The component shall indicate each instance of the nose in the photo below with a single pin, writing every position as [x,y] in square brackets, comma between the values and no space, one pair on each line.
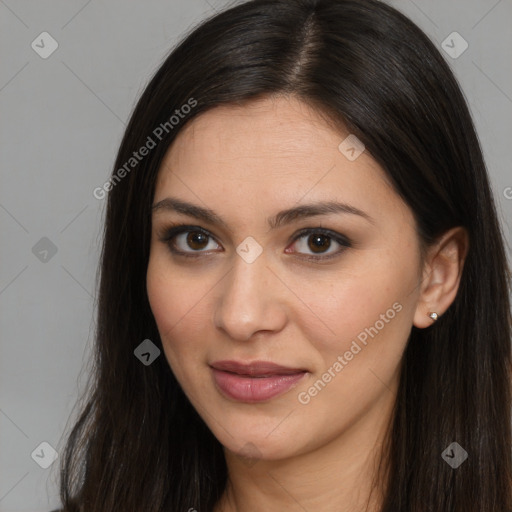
[250,299]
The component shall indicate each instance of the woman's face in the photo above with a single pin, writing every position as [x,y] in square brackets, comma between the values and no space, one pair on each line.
[266,271]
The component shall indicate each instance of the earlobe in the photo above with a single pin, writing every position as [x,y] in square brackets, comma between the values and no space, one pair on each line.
[441,276]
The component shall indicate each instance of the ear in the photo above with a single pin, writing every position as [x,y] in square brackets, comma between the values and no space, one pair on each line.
[441,275]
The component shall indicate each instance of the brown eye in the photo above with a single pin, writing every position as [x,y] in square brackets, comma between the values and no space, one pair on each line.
[197,240]
[189,240]
[311,243]
[318,243]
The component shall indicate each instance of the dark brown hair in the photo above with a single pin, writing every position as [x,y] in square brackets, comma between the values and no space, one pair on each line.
[138,444]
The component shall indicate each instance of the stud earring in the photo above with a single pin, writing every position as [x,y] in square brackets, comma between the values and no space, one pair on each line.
[434,316]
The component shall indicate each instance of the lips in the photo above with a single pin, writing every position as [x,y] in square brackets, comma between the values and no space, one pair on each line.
[256,381]
[256,368]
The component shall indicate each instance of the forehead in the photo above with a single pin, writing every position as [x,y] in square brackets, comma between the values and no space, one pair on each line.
[273,150]
[281,130]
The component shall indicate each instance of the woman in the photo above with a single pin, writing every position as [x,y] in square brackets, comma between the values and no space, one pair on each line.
[303,300]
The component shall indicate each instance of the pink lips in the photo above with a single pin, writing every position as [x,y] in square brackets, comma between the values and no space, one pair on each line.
[254,382]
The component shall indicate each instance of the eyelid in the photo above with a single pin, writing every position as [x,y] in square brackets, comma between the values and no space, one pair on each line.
[338,237]
[174,229]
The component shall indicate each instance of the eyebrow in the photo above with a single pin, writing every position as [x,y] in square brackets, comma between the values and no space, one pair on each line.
[282,218]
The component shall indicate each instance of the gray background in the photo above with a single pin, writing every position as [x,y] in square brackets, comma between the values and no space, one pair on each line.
[61,121]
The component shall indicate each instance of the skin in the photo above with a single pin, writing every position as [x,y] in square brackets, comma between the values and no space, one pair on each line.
[246,163]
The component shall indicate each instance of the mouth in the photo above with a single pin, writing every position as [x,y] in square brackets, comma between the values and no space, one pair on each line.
[258,381]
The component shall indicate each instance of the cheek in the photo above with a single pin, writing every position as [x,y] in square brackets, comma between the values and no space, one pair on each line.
[163,298]
[347,304]
[363,314]
[370,313]
[179,308]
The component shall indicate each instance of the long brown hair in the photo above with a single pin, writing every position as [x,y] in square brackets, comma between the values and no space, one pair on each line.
[138,444]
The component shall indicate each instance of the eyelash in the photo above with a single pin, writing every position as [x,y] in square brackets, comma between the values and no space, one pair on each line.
[177,229]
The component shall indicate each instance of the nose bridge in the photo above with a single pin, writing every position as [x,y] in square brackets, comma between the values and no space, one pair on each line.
[249,301]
